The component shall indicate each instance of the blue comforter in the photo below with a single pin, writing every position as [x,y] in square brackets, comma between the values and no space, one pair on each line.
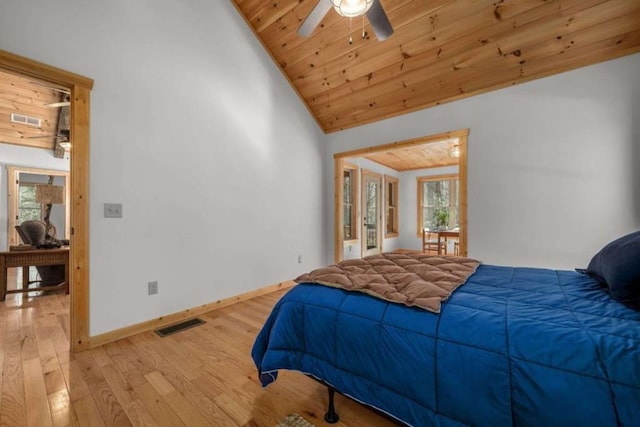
[513,346]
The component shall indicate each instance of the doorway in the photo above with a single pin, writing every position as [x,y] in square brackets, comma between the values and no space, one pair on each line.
[79,88]
[371,213]
[414,152]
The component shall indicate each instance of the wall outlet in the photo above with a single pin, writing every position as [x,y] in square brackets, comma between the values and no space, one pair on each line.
[299,259]
[153,287]
[113,210]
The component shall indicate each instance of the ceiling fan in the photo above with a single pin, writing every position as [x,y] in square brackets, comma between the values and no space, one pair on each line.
[62,135]
[64,103]
[66,94]
[349,9]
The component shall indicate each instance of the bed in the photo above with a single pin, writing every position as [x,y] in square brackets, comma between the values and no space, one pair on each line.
[512,346]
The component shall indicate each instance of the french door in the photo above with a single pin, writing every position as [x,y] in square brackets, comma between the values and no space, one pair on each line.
[371,199]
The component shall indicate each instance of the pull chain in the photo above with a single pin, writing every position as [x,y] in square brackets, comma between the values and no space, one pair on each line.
[364,35]
[350,32]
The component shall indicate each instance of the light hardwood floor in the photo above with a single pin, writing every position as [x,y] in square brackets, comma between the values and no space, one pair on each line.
[202,376]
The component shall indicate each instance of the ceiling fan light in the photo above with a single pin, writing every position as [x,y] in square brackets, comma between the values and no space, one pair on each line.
[352,8]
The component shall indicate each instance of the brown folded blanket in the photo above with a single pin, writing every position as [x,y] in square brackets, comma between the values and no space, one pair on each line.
[411,279]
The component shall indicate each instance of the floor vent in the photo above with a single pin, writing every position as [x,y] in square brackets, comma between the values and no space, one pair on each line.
[179,327]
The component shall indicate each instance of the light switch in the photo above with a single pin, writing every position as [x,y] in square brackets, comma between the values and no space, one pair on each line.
[113,210]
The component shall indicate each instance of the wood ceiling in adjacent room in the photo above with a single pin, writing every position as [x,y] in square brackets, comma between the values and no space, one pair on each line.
[430,155]
[28,97]
[441,50]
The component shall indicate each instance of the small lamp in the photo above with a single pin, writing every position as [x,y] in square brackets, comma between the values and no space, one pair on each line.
[455,151]
[49,194]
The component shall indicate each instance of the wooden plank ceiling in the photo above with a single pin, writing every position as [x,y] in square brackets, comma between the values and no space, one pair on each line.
[441,50]
[28,97]
[429,155]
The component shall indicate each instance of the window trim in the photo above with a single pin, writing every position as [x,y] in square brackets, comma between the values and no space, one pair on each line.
[13,176]
[355,205]
[419,181]
[394,181]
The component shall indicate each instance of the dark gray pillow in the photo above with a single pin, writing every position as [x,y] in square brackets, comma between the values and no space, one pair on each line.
[618,266]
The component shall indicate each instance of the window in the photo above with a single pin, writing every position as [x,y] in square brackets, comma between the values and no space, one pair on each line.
[391,206]
[438,202]
[28,208]
[349,203]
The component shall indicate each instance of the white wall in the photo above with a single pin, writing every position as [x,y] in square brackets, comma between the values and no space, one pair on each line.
[409,239]
[15,155]
[552,163]
[193,128]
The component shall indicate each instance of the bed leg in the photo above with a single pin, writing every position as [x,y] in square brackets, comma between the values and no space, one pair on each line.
[331,416]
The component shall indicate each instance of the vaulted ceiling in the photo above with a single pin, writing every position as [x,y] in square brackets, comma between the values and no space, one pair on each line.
[441,50]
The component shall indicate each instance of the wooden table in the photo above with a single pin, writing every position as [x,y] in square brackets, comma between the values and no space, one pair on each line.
[446,234]
[35,257]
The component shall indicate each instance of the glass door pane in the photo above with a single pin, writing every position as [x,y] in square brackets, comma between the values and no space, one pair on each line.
[371,205]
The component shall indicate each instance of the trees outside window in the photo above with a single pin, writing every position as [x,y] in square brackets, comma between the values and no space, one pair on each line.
[438,202]
[28,208]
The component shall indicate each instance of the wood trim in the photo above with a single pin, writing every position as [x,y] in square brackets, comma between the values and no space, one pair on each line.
[355,208]
[80,218]
[12,199]
[80,88]
[118,334]
[462,196]
[403,144]
[396,205]
[28,67]
[338,231]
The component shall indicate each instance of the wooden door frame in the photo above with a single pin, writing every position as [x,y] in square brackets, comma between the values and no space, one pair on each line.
[339,160]
[363,244]
[80,88]
[13,174]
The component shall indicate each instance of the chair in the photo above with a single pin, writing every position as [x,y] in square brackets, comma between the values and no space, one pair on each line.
[35,232]
[430,243]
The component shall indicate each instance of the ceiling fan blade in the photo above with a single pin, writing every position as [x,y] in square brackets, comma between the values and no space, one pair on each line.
[379,21]
[62,134]
[42,136]
[58,104]
[51,86]
[314,18]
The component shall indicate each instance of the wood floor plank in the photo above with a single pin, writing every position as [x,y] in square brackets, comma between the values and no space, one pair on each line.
[62,410]
[108,405]
[87,412]
[3,339]
[156,406]
[176,401]
[199,376]
[12,411]
[48,355]
[54,381]
[35,392]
